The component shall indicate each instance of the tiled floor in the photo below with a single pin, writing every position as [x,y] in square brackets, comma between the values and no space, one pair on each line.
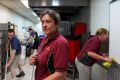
[29,72]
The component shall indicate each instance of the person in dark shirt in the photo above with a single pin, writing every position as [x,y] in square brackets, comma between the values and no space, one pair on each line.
[13,61]
[34,34]
[90,53]
[53,52]
[33,40]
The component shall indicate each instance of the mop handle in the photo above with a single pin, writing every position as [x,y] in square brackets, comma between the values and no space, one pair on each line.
[5,66]
[34,53]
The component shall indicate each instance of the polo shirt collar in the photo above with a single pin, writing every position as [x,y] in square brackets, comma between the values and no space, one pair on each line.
[53,37]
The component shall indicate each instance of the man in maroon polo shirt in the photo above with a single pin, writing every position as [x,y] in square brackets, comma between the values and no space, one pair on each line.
[90,54]
[53,52]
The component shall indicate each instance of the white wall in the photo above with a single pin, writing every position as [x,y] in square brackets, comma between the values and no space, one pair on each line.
[7,14]
[99,17]
[114,40]
[38,28]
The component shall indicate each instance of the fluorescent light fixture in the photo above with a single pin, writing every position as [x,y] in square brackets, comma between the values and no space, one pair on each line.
[43,3]
[25,2]
[34,14]
[55,3]
[11,27]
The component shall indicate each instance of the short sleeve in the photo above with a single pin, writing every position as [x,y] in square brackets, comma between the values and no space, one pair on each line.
[93,46]
[14,44]
[61,57]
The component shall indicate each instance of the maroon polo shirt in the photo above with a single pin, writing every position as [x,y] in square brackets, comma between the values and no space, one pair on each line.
[57,45]
[91,45]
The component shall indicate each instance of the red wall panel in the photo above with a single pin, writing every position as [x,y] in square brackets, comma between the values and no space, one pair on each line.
[74,49]
[79,29]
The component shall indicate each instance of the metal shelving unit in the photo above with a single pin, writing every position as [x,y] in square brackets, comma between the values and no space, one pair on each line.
[72,71]
[3,41]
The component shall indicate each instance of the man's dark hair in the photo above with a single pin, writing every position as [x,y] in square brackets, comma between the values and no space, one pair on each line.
[30,29]
[11,30]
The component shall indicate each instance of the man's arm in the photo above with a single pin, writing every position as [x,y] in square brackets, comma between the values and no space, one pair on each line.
[7,45]
[31,39]
[12,55]
[57,76]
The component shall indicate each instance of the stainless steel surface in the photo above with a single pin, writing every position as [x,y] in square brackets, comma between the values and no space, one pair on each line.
[114,72]
[3,41]
[59,2]
[66,8]
[3,26]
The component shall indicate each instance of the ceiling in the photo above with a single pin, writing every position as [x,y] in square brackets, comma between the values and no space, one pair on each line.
[18,7]
[66,8]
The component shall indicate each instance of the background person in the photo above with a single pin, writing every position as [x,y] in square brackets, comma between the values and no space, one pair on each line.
[33,41]
[13,61]
[90,53]
[53,52]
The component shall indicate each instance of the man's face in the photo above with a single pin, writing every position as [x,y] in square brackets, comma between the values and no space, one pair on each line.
[48,25]
[10,35]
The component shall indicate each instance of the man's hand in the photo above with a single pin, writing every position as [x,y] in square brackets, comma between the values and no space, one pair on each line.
[7,65]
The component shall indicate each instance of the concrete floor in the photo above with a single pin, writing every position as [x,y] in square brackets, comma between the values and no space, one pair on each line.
[28,69]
